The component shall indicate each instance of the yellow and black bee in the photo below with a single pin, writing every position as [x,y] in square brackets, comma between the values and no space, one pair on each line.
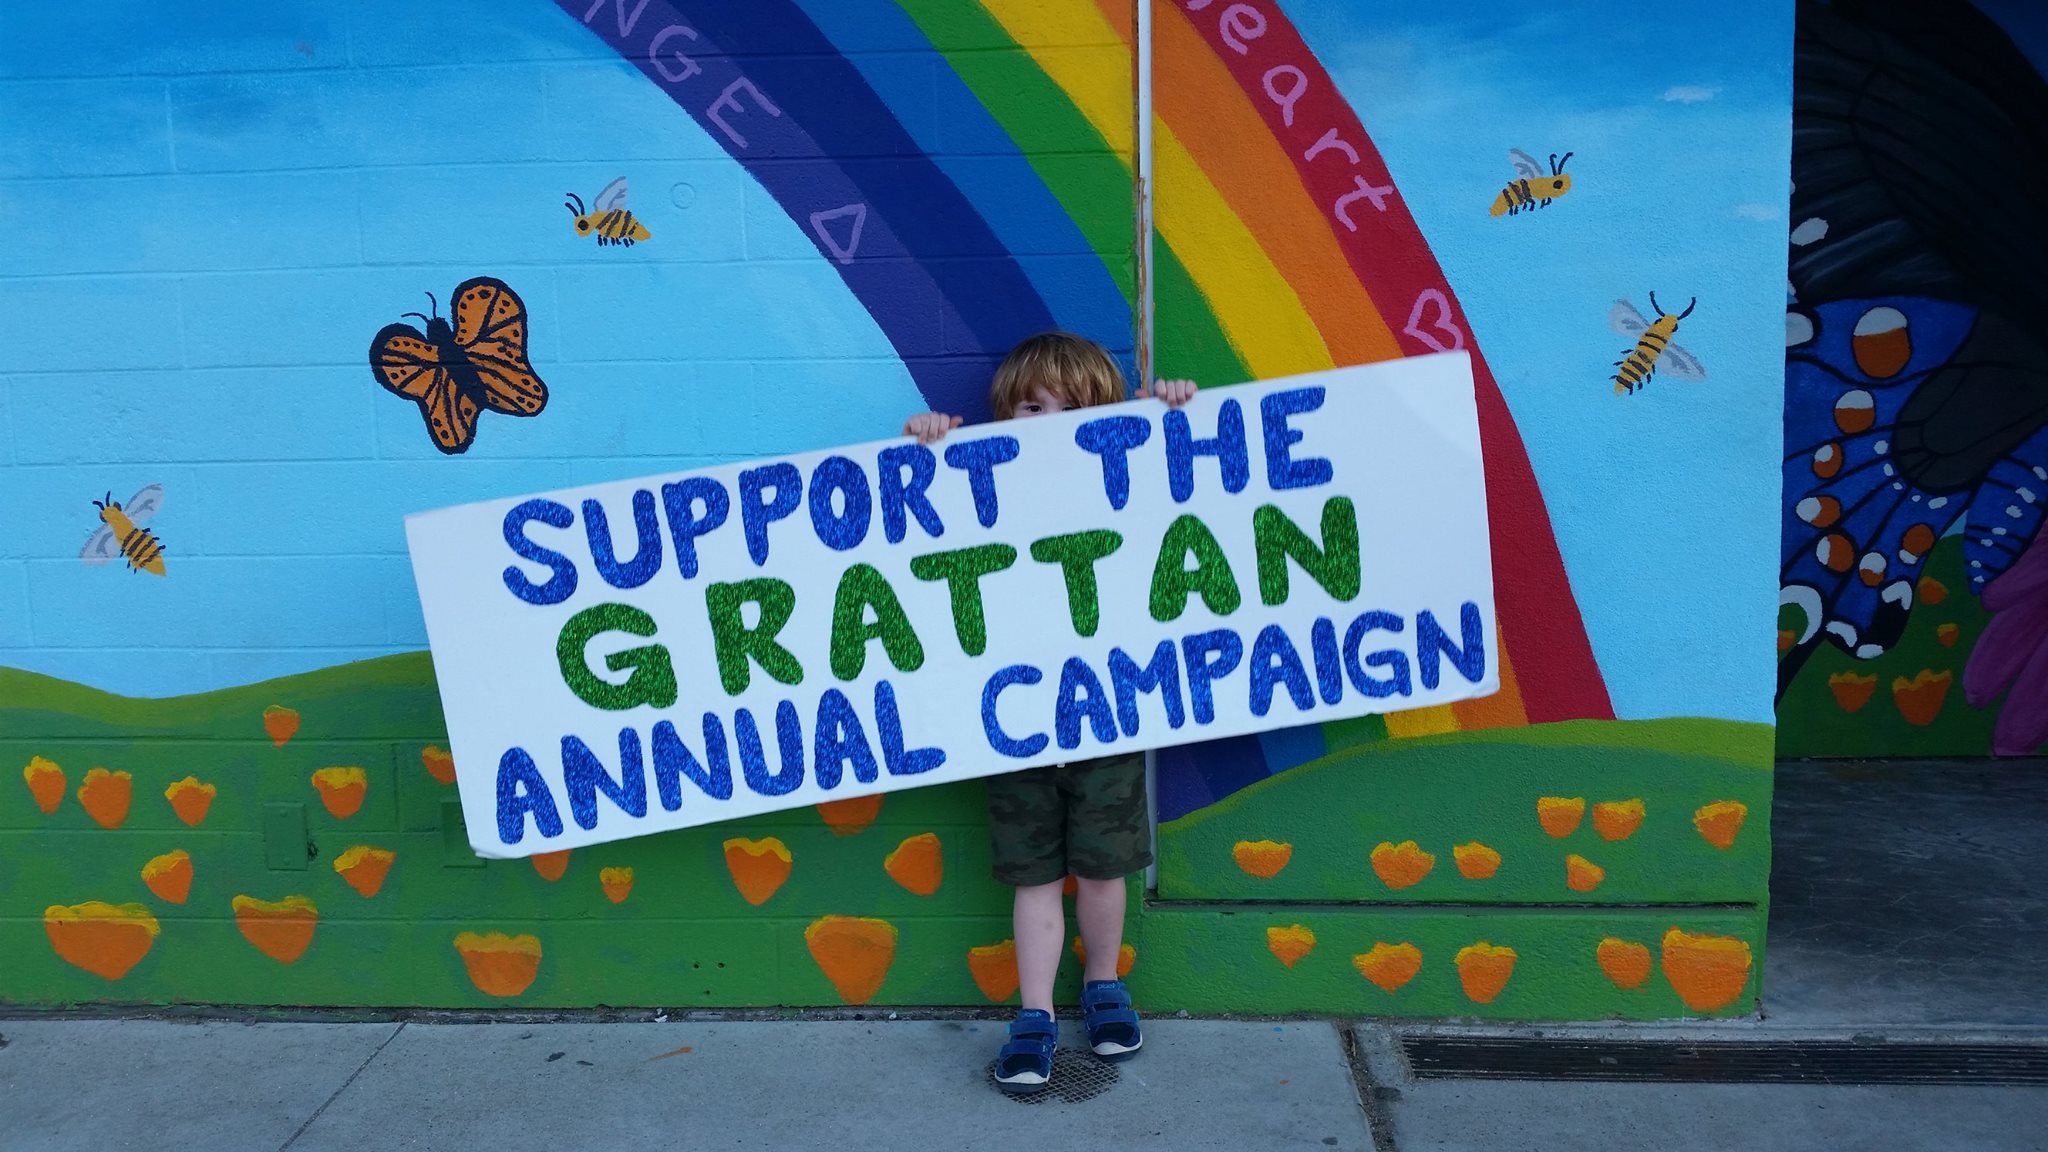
[1531,187]
[1654,348]
[121,533]
[608,216]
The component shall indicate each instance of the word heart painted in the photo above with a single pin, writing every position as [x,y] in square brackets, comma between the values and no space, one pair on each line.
[644,655]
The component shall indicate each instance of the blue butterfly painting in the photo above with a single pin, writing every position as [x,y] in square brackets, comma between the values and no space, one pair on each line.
[1916,392]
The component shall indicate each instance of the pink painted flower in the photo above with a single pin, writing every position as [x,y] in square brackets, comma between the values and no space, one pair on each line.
[2013,653]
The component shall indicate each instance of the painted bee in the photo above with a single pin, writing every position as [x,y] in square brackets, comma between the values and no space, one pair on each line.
[121,533]
[1653,346]
[608,216]
[1531,188]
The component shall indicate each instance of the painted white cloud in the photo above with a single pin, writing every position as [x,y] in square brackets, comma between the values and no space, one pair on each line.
[1689,94]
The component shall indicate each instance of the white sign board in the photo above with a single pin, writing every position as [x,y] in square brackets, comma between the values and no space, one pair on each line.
[631,657]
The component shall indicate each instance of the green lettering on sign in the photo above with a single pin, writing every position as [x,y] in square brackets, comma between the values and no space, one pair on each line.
[651,675]
[736,643]
[860,589]
[1173,581]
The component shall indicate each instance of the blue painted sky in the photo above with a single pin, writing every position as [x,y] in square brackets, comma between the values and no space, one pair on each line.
[1665,502]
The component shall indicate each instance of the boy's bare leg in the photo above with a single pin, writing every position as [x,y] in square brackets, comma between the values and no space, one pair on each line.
[1099,906]
[1040,923]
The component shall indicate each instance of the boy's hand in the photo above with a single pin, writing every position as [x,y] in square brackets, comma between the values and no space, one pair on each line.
[930,427]
[1174,392]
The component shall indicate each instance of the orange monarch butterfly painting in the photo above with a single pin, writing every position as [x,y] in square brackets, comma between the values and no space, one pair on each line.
[453,371]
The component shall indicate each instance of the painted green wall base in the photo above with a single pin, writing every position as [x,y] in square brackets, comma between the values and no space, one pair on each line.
[96,905]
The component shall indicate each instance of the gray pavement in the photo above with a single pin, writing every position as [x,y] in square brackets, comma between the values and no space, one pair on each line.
[842,1085]
[847,1085]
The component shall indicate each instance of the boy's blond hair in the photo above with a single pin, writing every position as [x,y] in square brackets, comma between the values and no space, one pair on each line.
[1073,368]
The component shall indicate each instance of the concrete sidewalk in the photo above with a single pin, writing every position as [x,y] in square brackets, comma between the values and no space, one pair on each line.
[93,1086]
[851,1085]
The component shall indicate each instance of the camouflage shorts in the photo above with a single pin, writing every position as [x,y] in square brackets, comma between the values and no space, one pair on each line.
[1088,818]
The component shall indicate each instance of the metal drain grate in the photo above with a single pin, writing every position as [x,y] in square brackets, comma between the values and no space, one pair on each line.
[1725,1062]
[1076,1076]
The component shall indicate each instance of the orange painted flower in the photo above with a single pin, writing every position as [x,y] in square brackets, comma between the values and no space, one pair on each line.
[1932,591]
[758,867]
[105,796]
[851,817]
[341,790]
[1391,966]
[1946,634]
[1071,886]
[281,722]
[854,952]
[1291,943]
[1401,865]
[1617,819]
[1707,972]
[994,968]
[1720,821]
[1581,874]
[104,939]
[282,929]
[1475,860]
[45,783]
[1852,690]
[1126,957]
[169,876]
[499,965]
[1484,970]
[1626,962]
[1919,700]
[1786,639]
[616,882]
[551,865]
[438,763]
[364,868]
[1261,858]
[917,864]
[191,800]
[1560,815]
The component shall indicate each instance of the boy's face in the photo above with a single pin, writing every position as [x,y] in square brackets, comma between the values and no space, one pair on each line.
[1039,403]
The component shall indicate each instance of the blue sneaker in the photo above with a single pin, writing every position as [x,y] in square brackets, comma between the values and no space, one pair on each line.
[1112,1022]
[1025,1062]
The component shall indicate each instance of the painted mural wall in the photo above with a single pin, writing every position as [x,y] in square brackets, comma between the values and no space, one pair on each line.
[340,262]
[1915,617]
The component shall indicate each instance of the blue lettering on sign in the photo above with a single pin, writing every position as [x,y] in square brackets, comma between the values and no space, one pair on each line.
[1162,673]
[756,514]
[646,554]
[900,496]
[1431,643]
[562,584]
[1276,662]
[1227,446]
[1282,470]
[1111,438]
[840,524]
[522,791]
[584,776]
[998,739]
[673,761]
[1209,656]
[685,523]
[978,458]
[1081,697]
[840,738]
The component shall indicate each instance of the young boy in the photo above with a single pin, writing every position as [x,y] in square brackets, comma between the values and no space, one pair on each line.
[1088,818]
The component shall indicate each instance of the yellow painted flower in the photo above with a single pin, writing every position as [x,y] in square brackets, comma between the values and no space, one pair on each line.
[45,783]
[1626,962]
[499,965]
[1720,821]
[1484,969]
[1391,966]
[364,868]
[1291,943]
[758,867]
[341,790]
[1261,858]
[1560,815]
[1919,700]
[104,939]
[191,800]
[169,876]
[1617,819]
[917,864]
[105,796]
[1581,874]
[1475,860]
[616,882]
[280,929]
[1707,972]
[1401,865]
[438,763]
[854,953]
[1852,690]
[994,968]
